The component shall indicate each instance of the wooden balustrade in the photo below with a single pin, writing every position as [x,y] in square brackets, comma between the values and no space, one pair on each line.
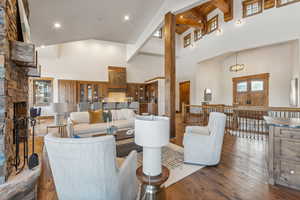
[240,121]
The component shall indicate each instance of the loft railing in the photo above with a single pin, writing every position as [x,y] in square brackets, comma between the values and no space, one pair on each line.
[241,121]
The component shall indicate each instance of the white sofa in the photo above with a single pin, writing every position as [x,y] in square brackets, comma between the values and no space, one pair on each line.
[78,122]
[203,145]
[85,168]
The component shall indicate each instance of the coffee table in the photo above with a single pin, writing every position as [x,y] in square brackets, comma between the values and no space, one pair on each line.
[123,149]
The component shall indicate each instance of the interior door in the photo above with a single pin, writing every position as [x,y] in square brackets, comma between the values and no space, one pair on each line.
[184,94]
[251,90]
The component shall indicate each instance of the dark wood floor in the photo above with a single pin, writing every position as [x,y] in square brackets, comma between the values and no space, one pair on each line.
[241,175]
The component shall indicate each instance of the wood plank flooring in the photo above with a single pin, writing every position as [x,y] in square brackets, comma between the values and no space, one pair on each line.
[241,175]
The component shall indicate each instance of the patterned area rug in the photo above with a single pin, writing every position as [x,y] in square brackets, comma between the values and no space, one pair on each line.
[172,158]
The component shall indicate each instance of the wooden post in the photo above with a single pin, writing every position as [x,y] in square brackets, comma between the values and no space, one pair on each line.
[170,73]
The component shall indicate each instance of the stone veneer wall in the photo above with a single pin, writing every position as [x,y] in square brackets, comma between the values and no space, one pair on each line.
[13,84]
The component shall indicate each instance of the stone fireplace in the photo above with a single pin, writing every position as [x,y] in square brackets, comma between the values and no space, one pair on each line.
[13,86]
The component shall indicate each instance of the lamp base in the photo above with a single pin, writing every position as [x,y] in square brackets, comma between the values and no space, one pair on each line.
[151,185]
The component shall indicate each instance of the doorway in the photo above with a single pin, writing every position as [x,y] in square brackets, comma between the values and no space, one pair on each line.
[184,94]
[251,90]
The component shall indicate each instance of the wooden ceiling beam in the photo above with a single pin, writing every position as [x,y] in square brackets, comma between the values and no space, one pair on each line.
[226,6]
[222,5]
[201,17]
[189,22]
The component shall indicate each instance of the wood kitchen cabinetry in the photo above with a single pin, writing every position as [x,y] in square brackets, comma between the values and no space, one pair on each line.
[67,91]
[73,91]
[90,91]
[146,94]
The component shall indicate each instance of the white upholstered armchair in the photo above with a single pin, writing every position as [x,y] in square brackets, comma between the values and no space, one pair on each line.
[85,169]
[203,145]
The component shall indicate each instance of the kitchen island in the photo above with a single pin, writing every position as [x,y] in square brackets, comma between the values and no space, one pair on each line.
[284,151]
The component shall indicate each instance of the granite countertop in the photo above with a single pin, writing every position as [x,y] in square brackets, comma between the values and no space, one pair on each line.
[283,122]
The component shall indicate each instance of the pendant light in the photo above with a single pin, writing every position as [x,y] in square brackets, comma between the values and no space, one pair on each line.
[237,67]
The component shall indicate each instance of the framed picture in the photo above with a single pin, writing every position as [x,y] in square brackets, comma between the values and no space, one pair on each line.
[24,23]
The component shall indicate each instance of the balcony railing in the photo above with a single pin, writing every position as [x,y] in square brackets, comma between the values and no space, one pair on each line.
[241,121]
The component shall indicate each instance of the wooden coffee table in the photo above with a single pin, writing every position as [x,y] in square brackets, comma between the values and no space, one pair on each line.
[123,149]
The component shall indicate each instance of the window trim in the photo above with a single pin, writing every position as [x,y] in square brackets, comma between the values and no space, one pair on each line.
[278,4]
[210,22]
[248,2]
[196,35]
[187,37]
[34,91]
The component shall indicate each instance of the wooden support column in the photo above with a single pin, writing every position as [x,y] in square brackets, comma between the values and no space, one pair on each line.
[170,73]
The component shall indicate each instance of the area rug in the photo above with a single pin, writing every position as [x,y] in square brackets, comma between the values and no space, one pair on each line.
[172,158]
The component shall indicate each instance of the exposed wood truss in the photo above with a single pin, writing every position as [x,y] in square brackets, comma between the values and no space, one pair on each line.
[189,22]
[197,16]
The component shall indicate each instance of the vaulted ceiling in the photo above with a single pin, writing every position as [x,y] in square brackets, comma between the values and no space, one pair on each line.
[90,19]
[197,16]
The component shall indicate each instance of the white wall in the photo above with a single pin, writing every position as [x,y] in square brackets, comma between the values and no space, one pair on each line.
[144,67]
[89,59]
[256,31]
[278,60]
[208,75]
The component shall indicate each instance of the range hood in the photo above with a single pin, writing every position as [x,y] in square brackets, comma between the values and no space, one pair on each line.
[117,79]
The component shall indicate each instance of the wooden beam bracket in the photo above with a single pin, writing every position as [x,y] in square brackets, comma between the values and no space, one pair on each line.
[23,54]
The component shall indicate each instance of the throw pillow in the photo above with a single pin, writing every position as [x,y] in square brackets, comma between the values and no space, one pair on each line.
[96,116]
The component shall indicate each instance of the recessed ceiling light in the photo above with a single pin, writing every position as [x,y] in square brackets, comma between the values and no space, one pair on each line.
[42,46]
[181,16]
[57,25]
[126,17]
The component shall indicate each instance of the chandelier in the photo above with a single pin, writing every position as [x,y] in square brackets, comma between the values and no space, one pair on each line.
[237,67]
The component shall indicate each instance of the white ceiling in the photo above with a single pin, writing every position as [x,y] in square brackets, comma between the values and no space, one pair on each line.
[89,19]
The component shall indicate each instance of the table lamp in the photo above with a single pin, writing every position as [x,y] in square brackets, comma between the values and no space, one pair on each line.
[152,133]
[59,109]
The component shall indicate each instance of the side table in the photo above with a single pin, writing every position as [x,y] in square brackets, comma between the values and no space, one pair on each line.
[151,185]
[61,129]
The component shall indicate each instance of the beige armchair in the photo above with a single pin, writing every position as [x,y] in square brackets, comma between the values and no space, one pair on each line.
[86,168]
[203,145]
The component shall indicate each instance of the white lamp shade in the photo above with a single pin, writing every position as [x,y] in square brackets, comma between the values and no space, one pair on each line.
[152,131]
[60,107]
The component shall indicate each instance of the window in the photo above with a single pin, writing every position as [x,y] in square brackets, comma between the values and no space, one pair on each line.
[158,33]
[241,86]
[187,40]
[251,7]
[197,34]
[42,90]
[285,2]
[257,86]
[213,24]
[207,95]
